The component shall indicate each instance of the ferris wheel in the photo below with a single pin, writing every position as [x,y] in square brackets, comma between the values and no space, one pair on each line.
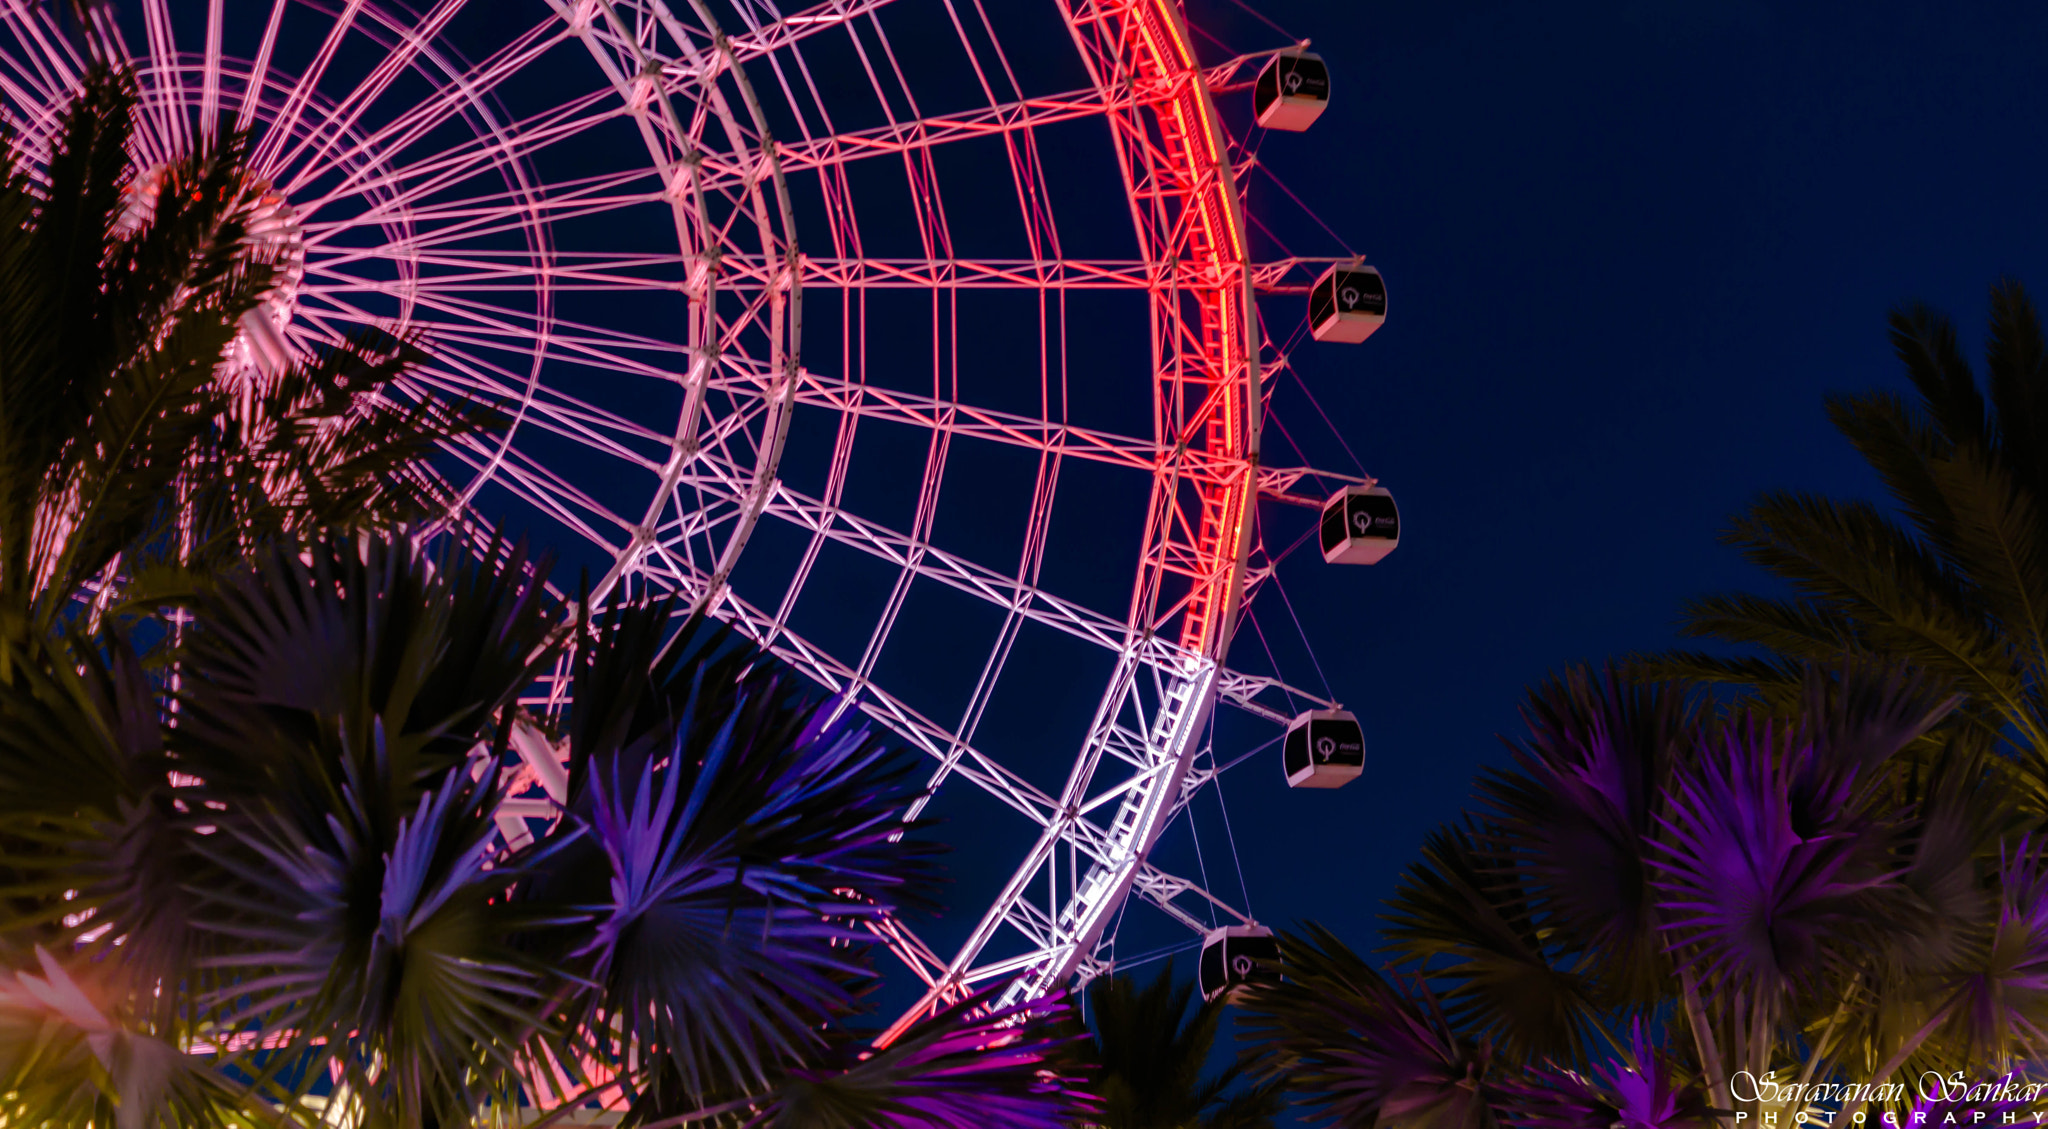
[920,340]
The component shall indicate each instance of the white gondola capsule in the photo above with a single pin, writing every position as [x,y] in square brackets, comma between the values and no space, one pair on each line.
[1292,91]
[1361,525]
[1347,304]
[1234,957]
[1323,749]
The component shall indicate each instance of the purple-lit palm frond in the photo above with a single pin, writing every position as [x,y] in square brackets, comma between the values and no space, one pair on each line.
[330,712]
[394,951]
[2001,985]
[1465,917]
[1644,1090]
[732,839]
[1359,1050]
[965,1068]
[1572,821]
[1766,885]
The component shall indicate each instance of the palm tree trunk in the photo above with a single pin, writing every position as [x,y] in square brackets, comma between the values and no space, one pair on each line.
[1703,1037]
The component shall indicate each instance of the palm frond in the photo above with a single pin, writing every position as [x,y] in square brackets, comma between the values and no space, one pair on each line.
[1468,919]
[2016,373]
[1570,822]
[1151,1053]
[1767,869]
[1360,1051]
[1643,1090]
[1925,342]
[67,1058]
[968,1067]
[2001,989]
[727,856]
[1903,446]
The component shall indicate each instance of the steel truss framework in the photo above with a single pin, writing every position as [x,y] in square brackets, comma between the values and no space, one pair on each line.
[616,263]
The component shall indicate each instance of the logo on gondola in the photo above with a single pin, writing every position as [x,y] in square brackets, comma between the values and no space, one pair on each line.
[1349,295]
[1362,522]
[1326,747]
[1241,965]
[1293,82]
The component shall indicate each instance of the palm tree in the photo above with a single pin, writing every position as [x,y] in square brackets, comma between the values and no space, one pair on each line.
[1955,579]
[1150,1055]
[140,448]
[306,884]
[1660,903]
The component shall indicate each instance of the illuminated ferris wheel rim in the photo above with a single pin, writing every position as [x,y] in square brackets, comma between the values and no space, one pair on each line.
[684,84]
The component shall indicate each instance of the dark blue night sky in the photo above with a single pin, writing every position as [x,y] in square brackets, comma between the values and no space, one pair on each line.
[1629,248]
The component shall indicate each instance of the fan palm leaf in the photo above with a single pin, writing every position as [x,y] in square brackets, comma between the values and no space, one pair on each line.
[1572,820]
[1644,1089]
[731,839]
[969,1066]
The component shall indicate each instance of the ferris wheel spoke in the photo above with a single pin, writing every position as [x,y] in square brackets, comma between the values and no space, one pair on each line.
[398,190]
[459,370]
[512,141]
[574,344]
[52,66]
[422,293]
[456,274]
[567,341]
[545,200]
[259,72]
[166,94]
[413,40]
[552,495]
[503,276]
[462,225]
[600,431]
[302,90]
[209,82]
